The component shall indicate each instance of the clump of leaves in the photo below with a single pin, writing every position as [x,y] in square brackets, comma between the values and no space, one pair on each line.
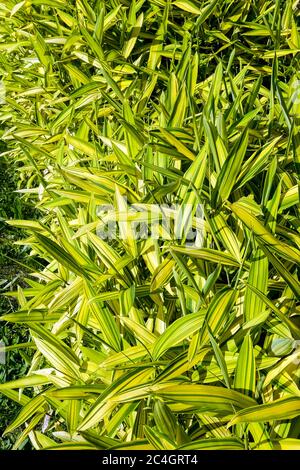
[153,343]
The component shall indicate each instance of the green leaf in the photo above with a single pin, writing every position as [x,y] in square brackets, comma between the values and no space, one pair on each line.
[28,410]
[283,408]
[180,330]
[245,373]
[218,400]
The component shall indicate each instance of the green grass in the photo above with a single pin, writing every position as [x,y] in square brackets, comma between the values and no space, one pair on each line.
[11,273]
[152,343]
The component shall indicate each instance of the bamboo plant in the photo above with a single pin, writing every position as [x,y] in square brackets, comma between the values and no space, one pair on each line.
[153,342]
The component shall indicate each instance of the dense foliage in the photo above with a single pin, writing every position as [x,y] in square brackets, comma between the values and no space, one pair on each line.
[153,342]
